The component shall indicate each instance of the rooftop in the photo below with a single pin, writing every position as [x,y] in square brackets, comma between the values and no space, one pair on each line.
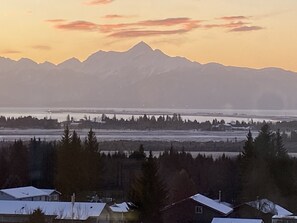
[218,206]
[267,206]
[235,220]
[24,192]
[62,210]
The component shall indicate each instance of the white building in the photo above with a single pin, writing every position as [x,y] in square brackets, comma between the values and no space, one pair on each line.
[24,194]
[19,211]
[236,220]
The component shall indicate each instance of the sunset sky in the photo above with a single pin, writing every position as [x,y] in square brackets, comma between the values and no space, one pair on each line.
[248,33]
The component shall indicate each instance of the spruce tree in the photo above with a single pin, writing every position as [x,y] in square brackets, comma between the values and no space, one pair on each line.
[281,151]
[92,161]
[37,216]
[65,172]
[248,148]
[148,194]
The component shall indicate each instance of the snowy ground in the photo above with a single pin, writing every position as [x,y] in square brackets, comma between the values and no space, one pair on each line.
[111,135]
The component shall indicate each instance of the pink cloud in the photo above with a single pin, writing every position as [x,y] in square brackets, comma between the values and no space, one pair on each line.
[246,28]
[168,22]
[99,2]
[115,16]
[226,25]
[77,25]
[240,17]
[167,26]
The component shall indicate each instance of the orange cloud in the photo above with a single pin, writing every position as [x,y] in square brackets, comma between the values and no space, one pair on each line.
[99,2]
[10,52]
[246,28]
[41,47]
[77,25]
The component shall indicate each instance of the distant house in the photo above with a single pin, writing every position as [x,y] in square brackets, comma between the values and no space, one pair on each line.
[24,194]
[236,220]
[29,194]
[19,211]
[122,213]
[284,219]
[263,209]
[53,195]
[197,208]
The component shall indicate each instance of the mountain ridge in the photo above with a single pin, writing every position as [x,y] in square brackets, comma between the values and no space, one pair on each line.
[146,78]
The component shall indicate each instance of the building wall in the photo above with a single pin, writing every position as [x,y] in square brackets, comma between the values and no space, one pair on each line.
[37,198]
[54,197]
[284,220]
[246,211]
[186,212]
[4,196]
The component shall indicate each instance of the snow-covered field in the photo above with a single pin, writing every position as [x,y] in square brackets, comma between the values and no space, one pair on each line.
[110,135]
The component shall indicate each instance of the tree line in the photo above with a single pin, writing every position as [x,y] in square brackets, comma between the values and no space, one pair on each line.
[73,165]
[147,122]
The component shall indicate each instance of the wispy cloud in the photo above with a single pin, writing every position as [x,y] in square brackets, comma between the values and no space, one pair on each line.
[77,25]
[98,2]
[9,51]
[41,47]
[55,20]
[238,23]
[116,16]
[246,28]
[179,25]
[225,25]
[238,17]
[156,27]
[142,33]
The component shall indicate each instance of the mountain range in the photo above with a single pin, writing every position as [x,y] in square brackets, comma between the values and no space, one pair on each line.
[143,78]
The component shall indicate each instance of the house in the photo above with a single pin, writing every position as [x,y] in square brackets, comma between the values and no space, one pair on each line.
[29,194]
[122,213]
[23,193]
[284,219]
[236,220]
[197,208]
[19,211]
[263,209]
[53,195]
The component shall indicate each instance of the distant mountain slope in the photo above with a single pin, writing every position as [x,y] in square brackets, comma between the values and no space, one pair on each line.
[143,77]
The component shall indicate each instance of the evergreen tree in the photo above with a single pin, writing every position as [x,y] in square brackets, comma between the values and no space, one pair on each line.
[67,165]
[37,216]
[281,151]
[248,148]
[264,144]
[92,162]
[18,165]
[149,193]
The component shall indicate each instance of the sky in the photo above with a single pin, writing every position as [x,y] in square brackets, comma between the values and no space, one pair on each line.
[241,33]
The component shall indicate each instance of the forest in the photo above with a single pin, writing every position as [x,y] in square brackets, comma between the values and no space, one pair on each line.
[146,122]
[74,165]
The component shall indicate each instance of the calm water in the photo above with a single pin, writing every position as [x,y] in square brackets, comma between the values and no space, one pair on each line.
[108,135]
[199,114]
